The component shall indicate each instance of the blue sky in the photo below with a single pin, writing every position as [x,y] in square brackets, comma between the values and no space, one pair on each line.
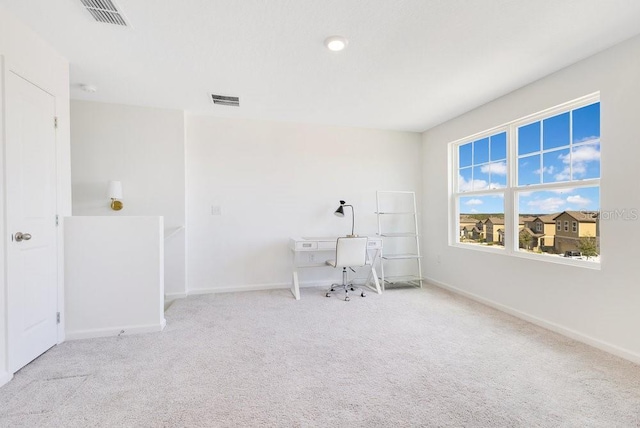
[558,149]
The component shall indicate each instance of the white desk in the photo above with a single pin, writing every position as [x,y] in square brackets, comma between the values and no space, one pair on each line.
[310,246]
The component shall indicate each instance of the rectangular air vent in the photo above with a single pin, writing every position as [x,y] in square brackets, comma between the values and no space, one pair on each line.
[225,100]
[105,11]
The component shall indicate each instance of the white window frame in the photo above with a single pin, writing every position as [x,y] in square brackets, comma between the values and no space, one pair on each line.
[511,191]
[566,225]
[574,227]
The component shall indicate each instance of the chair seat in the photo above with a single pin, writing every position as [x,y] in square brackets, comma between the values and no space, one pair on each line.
[333,263]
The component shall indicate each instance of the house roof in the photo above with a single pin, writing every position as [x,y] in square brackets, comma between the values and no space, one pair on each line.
[581,216]
[494,220]
[532,233]
[549,218]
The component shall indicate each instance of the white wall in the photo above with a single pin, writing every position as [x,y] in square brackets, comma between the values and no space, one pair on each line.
[598,307]
[26,54]
[277,180]
[114,272]
[144,148]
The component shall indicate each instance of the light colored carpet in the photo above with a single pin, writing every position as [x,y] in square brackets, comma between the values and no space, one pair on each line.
[408,357]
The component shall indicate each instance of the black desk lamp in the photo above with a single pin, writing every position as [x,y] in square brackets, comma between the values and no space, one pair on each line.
[340,213]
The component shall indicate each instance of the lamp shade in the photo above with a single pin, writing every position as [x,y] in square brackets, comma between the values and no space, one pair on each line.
[115,190]
[340,211]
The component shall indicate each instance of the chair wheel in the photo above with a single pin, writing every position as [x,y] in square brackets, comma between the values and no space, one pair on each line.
[328,295]
[333,289]
[353,289]
[363,295]
[346,299]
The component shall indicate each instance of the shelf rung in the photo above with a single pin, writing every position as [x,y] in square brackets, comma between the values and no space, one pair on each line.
[399,235]
[400,256]
[401,279]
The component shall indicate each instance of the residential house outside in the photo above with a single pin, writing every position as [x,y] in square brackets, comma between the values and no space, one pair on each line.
[542,231]
[494,230]
[573,225]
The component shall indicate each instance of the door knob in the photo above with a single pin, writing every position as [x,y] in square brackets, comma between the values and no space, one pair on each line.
[19,236]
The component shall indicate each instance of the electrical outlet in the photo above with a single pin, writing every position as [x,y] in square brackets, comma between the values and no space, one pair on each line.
[216,210]
[312,258]
[438,259]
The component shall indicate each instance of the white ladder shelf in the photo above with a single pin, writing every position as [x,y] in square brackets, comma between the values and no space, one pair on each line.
[398,226]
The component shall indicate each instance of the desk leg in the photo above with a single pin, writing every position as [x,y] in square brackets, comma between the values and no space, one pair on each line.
[375,278]
[295,287]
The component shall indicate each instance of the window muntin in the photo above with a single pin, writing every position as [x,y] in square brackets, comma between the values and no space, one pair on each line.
[561,148]
[482,164]
[555,167]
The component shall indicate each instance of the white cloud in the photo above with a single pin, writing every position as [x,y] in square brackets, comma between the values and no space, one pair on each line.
[587,153]
[474,202]
[498,168]
[473,211]
[590,137]
[546,205]
[467,186]
[578,200]
[580,158]
[547,170]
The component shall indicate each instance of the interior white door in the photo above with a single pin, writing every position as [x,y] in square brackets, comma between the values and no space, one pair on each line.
[32,292]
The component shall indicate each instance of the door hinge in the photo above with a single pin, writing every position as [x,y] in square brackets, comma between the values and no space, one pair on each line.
[57,220]
[55,122]
[57,317]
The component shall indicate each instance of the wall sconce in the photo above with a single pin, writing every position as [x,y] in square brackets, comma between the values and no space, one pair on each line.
[115,193]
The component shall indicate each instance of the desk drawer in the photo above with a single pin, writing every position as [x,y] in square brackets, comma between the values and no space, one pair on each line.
[308,246]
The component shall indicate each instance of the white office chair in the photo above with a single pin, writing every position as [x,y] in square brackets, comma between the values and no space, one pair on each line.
[350,253]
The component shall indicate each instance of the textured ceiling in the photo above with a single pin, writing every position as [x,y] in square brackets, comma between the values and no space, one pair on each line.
[410,64]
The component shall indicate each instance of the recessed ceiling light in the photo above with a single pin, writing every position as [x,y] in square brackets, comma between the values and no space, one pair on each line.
[336,43]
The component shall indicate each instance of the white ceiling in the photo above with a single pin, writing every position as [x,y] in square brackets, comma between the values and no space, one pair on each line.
[410,64]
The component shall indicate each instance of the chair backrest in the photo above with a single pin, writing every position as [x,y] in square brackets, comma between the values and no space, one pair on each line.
[351,252]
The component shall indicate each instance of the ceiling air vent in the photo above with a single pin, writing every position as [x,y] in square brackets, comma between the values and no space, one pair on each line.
[225,100]
[105,11]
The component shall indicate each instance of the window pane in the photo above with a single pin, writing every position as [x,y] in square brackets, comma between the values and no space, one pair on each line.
[481,151]
[556,131]
[465,180]
[529,170]
[546,222]
[497,174]
[499,146]
[480,178]
[529,138]
[482,220]
[585,161]
[586,123]
[465,153]
[555,166]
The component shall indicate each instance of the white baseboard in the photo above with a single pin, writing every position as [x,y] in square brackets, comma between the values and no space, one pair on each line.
[173,296]
[115,331]
[549,325]
[5,377]
[260,287]
[236,288]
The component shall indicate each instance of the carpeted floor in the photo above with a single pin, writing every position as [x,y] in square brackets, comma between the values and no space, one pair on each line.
[408,357]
